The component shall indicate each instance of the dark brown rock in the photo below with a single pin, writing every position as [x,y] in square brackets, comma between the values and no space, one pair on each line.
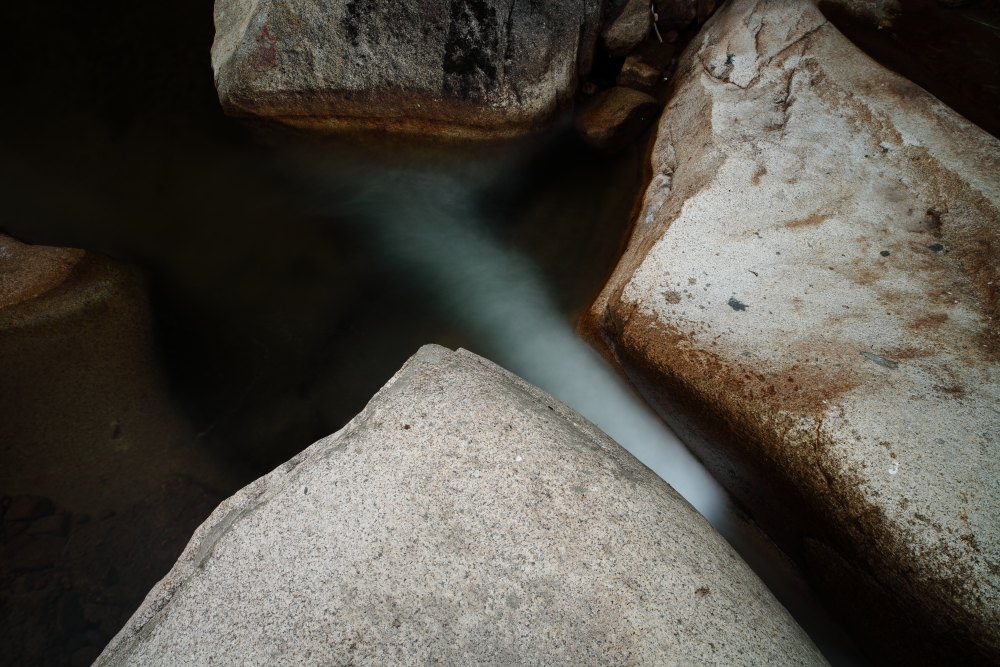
[676,15]
[28,508]
[616,117]
[56,524]
[87,430]
[639,75]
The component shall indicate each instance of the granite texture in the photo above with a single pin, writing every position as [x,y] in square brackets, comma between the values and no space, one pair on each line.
[453,68]
[463,517]
[811,297]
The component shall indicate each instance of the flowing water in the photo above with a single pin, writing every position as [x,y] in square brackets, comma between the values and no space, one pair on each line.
[433,226]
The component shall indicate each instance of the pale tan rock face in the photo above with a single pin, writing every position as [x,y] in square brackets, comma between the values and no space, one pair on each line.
[811,296]
[464,517]
[459,68]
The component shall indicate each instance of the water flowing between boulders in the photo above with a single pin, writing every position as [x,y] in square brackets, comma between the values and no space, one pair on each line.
[277,277]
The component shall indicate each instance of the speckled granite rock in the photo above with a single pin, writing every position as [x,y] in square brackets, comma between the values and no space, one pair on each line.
[811,297]
[463,517]
[459,68]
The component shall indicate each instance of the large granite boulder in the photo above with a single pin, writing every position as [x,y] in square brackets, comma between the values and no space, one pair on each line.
[463,517]
[810,297]
[461,68]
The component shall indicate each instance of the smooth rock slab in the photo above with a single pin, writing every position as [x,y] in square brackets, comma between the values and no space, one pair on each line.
[461,68]
[811,296]
[463,517]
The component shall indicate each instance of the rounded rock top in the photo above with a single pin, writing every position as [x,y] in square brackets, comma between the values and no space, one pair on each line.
[29,271]
[463,517]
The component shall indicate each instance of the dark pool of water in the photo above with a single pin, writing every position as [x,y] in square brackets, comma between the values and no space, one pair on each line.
[277,317]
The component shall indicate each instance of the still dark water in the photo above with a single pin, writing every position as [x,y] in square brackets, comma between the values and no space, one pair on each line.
[287,285]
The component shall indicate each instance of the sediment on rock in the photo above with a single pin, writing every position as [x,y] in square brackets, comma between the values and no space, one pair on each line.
[810,296]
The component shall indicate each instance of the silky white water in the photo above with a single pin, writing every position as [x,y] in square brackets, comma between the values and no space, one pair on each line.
[430,226]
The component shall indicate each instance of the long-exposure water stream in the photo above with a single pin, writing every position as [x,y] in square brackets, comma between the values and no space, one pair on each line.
[431,223]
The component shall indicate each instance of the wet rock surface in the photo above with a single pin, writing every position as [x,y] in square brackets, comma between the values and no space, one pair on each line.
[463,516]
[460,68]
[877,13]
[812,282]
[952,49]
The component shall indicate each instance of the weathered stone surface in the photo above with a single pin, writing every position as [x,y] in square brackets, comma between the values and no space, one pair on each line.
[463,68]
[812,287]
[616,117]
[628,28]
[463,517]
